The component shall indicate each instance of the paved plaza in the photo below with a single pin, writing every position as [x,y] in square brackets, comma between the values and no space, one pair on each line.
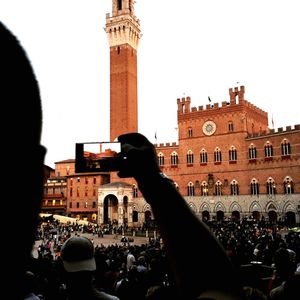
[109,239]
[106,240]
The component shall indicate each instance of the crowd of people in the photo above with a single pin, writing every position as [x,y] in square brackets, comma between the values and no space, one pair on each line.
[201,264]
[140,271]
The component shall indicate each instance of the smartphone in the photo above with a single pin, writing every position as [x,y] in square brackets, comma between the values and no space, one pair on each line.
[98,157]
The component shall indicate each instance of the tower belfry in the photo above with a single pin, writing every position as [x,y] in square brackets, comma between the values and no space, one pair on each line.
[123,32]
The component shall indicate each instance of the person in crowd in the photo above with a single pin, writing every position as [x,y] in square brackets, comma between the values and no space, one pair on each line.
[78,258]
[199,262]
[21,151]
[130,258]
[286,280]
[31,287]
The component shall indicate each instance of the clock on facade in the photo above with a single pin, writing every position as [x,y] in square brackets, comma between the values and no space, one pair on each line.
[209,127]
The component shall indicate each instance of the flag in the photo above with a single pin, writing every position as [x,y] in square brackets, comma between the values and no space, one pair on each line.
[155,136]
[209,99]
[272,122]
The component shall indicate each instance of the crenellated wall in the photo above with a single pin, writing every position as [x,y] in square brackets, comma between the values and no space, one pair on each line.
[274,131]
[166,145]
[236,98]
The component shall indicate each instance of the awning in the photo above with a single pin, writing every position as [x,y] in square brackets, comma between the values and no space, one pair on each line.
[65,219]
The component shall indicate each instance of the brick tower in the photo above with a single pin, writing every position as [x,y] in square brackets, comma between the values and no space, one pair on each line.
[123,31]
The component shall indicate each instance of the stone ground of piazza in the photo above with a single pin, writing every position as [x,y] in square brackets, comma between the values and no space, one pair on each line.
[106,240]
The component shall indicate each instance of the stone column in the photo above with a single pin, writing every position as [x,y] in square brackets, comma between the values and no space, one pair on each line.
[120,213]
[100,210]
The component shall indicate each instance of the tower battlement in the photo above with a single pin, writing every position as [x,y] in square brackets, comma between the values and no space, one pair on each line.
[123,27]
[236,98]
[237,93]
[166,145]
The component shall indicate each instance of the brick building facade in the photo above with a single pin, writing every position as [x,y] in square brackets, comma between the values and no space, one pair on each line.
[227,162]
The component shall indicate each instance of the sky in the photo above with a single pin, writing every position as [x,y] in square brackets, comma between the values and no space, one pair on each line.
[193,48]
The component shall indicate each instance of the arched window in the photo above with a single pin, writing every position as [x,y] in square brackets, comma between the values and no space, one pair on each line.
[252,152]
[218,188]
[217,155]
[174,159]
[232,154]
[230,126]
[190,132]
[234,188]
[190,157]
[254,187]
[271,187]
[134,191]
[268,150]
[161,159]
[285,148]
[288,185]
[203,157]
[204,188]
[190,189]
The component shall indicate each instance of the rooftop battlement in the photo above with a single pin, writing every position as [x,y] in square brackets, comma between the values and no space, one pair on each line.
[236,98]
[279,130]
[287,129]
[166,145]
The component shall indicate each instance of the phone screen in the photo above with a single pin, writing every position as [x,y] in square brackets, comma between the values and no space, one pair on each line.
[97,157]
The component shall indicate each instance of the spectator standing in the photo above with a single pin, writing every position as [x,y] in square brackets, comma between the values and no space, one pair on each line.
[78,258]
[200,252]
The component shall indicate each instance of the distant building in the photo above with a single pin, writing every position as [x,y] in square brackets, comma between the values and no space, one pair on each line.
[55,193]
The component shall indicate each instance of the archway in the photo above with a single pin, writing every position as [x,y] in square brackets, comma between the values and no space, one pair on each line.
[110,209]
[135,217]
[256,215]
[148,219]
[272,216]
[220,215]
[290,218]
[235,216]
[205,216]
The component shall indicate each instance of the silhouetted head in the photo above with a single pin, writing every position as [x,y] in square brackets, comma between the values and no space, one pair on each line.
[21,156]
[19,93]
